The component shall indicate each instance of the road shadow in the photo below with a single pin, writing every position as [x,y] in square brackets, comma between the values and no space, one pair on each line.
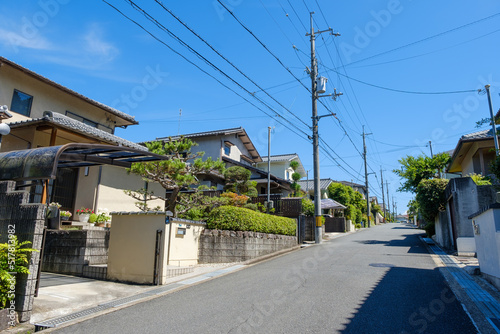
[409,300]
[408,241]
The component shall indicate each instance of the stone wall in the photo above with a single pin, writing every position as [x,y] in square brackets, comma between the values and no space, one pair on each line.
[217,246]
[27,222]
[67,252]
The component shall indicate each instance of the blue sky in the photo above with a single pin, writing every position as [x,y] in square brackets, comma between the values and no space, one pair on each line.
[414,46]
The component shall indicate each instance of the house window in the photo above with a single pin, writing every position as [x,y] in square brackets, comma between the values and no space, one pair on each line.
[21,103]
[227,149]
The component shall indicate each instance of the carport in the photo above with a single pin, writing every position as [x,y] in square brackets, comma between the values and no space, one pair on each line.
[26,216]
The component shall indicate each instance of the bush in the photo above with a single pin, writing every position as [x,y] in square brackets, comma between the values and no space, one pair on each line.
[430,196]
[358,226]
[307,207]
[430,229]
[241,219]
[92,218]
[9,267]
[480,180]
[252,206]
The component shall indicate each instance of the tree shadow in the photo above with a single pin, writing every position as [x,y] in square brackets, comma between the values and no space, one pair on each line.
[415,248]
[409,300]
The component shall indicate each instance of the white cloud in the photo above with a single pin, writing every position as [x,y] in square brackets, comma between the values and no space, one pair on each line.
[96,46]
[16,40]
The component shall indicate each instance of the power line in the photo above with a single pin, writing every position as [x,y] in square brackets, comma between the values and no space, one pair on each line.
[227,60]
[425,39]
[198,67]
[180,41]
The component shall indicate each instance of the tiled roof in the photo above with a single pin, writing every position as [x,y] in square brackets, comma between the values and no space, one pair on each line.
[328,203]
[78,127]
[242,134]
[113,111]
[286,157]
[323,184]
[206,133]
[480,134]
[281,157]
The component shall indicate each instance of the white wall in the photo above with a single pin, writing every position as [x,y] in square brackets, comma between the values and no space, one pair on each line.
[46,98]
[487,239]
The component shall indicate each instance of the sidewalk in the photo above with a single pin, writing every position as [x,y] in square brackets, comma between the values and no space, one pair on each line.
[479,298]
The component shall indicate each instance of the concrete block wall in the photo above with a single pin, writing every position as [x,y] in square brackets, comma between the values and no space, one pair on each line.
[67,252]
[217,246]
[27,221]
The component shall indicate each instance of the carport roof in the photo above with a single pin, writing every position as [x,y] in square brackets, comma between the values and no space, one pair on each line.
[42,163]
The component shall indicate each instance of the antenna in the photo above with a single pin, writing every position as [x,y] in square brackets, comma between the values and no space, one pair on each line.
[179,126]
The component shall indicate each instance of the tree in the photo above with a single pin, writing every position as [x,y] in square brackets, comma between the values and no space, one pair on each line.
[413,209]
[181,170]
[416,169]
[295,177]
[431,199]
[375,208]
[238,181]
[346,196]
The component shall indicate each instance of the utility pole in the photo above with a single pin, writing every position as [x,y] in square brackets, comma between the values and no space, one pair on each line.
[315,119]
[388,199]
[493,125]
[430,146]
[366,177]
[268,206]
[383,197]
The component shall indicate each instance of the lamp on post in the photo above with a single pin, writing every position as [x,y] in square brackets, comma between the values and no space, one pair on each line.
[4,128]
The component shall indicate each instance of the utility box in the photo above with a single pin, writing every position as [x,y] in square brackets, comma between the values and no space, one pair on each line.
[321,85]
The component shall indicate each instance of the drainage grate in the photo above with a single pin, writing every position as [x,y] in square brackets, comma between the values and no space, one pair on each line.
[58,321]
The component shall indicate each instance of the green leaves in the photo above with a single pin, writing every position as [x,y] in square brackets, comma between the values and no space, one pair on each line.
[14,258]
[242,219]
[430,197]
[181,170]
[238,181]
[353,200]
[416,169]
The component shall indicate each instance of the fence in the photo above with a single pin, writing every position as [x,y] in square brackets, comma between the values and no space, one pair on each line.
[286,207]
[335,224]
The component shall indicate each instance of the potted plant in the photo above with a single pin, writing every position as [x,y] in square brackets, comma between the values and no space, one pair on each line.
[65,215]
[84,214]
[102,218]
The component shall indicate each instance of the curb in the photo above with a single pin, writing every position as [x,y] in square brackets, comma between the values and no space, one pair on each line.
[478,303]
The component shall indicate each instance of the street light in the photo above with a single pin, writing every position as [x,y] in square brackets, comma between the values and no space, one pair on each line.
[4,128]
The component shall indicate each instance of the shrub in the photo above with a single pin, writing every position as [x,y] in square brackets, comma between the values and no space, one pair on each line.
[358,226]
[252,206]
[430,196]
[241,219]
[235,199]
[307,207]
[9,267]
[430,229]
[92,218]
[480,180]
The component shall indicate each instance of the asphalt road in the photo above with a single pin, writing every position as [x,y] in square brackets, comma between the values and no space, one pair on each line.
[379,280]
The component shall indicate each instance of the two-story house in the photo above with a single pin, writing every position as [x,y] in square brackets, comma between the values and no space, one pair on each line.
[280,165]
[45,113]
[235,148]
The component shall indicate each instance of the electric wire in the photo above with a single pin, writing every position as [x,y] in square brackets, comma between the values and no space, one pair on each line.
[180,41]
[228,61]
[199,68]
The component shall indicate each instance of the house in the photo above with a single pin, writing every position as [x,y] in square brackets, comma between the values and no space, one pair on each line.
[280,165]
[355,186]
[234,147]
[45,113]
[472,154]
[308,187]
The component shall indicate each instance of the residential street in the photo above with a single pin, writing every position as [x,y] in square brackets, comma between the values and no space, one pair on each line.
[379,280]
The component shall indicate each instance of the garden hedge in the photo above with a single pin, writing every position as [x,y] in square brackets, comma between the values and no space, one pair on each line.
[241,219]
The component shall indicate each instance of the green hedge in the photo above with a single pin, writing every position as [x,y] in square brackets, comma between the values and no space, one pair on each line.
[241,219]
